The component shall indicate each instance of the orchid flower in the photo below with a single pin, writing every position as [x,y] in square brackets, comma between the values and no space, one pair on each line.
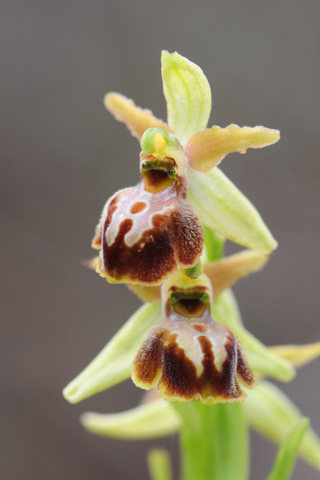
[218,203]
[164,238]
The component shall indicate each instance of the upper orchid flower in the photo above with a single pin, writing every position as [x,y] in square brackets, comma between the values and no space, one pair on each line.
[218,203]
[146,231]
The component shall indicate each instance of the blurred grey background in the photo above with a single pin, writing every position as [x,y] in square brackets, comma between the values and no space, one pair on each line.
[63,155]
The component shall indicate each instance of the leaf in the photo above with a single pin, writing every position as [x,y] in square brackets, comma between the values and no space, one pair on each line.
[223,208]
[272,414]
[149,420]
[113,364]
[187,93]
[286,456]
[206,149]
[136,119]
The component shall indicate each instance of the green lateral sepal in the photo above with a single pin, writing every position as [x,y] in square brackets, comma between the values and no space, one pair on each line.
[113,364]
[150,420]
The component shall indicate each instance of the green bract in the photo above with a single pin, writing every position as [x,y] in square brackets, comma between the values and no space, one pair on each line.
[223,208]
[150,420]
[113,364]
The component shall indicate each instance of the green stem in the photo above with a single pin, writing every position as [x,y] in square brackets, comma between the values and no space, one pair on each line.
[213,441]
[194,272]
[213,438]
[214,245]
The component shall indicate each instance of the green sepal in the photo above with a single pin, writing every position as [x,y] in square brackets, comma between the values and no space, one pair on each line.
[272,414]
[262,361]
[159,464]
[222,207]
[187,93]
[113,364]
[149,420]
[287,453]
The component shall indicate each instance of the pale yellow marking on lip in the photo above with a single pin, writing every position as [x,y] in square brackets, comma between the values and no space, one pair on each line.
[159,146]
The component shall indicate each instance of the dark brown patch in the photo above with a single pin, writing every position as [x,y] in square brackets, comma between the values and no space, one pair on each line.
[157,180]
[138,207]
[187,238]
[179,377]
[243,369]
[199,328]
[190,303]
[147,262]
[147,364]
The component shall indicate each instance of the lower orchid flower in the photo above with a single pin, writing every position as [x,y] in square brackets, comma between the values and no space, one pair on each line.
[190,356]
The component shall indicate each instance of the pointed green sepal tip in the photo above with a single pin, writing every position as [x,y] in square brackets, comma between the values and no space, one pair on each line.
[288,451]
[149,420]
[187,93]
[159,464]
[113,364]
[272,414]
[222,207]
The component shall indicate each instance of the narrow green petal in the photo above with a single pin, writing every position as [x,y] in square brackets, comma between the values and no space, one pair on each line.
[223,208]
[159,464]
[262,361]
[187,93]
[287,453]
[113,364]
[271,413]
[150,420]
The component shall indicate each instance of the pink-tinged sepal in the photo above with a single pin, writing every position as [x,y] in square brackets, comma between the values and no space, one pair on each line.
[137,120]
[190,356]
